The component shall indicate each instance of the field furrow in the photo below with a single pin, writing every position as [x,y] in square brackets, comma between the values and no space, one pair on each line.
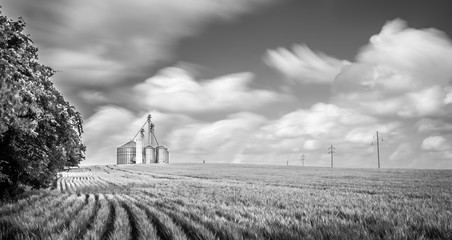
[203,202]
[144,228]
[132,221]
[60,186]
[192,229]
[164,225]
[180,224]
[13,208]
[66,186]
[98,222]
[111,219]
[62,220]
[49,204]
[75,224]
[34,221]
[88,225]
[121,227]
[218,227]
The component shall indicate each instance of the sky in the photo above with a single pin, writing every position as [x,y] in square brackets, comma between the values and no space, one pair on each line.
[255,81]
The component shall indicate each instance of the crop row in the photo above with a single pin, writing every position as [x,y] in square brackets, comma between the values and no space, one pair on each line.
[256,210]
[135,203]
[72,216]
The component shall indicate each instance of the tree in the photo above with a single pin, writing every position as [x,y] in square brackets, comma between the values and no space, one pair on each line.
[40,132]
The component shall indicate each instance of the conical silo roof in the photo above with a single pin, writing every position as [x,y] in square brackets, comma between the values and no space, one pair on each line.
[129,144]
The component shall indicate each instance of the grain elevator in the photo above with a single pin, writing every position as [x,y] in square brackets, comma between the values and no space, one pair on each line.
[143,148]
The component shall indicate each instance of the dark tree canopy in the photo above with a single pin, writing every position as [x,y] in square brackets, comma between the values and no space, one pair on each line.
[40,132]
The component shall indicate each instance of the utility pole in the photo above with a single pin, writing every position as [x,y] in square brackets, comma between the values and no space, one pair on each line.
[302,159]
[378,149]
[331,151]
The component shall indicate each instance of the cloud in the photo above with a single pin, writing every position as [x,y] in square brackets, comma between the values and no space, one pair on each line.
[406,100]
[86,69]
[435,144]
[96,97]
[423,103]
[176,97]
[312,131]
[311,144]
[112,126]
[104,131]
[437,126]
[188,139]
[218,141]
[399,84]
[448,99]
[132,34]
[175,90]
[303,65]
[402,78]
[402,72]
[107,44]
[320,120]
[407,49]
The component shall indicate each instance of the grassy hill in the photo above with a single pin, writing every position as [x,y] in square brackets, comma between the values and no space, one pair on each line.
[222,201]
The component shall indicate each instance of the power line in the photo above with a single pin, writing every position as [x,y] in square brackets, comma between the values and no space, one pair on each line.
[302,159]
[331,151]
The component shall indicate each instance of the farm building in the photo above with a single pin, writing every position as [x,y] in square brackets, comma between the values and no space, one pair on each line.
[141,149]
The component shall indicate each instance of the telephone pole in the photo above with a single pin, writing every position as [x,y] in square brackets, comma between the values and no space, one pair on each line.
[331,151]
[378,149]
[302,159]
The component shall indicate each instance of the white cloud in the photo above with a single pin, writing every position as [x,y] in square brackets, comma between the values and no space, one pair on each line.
[427,125]
[112,126]
[93,96]
[240,137]
[402,153]
[360,135]
[448,99]
[423,53]
[423,103]
[436,144]
[174,89]
[304,65]
[320,120]
[404,99]
[312,131]
[402,72]
[124,36]
[218,141]
[104,131]
[311,144]
[95,69]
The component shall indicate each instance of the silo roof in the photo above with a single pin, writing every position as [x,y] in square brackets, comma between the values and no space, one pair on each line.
[129,144]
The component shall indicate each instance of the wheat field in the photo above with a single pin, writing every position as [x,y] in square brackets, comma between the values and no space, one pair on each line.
[225,201]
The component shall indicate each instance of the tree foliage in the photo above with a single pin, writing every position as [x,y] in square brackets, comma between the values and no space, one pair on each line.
[40,132]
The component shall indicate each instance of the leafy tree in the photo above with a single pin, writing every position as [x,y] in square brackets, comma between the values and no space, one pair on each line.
[40,133]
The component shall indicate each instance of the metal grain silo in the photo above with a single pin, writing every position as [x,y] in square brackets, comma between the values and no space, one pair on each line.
[150,154]
[126,153]
[162,154]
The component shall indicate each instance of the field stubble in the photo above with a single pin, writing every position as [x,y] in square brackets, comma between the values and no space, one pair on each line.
[215,201]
